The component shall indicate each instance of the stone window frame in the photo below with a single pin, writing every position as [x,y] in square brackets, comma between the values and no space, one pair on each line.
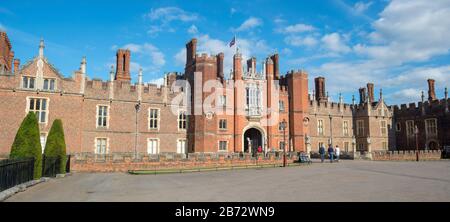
[384,145]
[223,126]
[158,118]
[96,139]
[179,120]
[219,145]
[346,146]
[345,129]
[185,145]
[281,106]
[320,126]
[28,81]
[47,110]
[97,116]
[158,145]
[398,127]
[222,101]
[428,133]
[54,85]
[385,128]
[410,128]
[360,129]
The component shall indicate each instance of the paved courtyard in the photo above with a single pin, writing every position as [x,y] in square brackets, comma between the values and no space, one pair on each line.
[343,181]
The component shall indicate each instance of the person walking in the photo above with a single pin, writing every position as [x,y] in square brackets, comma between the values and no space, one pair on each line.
[338,152]
[322,153]
[331,153]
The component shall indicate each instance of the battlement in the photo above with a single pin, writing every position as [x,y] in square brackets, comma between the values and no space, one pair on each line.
[331,105]
[205,58]
[426,105]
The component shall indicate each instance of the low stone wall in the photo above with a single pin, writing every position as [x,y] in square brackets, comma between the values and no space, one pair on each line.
[87,162]
[408,155]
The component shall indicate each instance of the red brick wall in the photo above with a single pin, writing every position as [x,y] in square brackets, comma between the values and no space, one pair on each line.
[124,163]
[406,155]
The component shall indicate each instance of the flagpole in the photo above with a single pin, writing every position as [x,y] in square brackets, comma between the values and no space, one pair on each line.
[236,42]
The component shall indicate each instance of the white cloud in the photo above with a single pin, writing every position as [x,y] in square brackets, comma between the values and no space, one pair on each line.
[193,30]
[361,7]
[300,41]
[180,57]
[164,16]
[150,57]
[410,31]
[405,96]
[154,29]
[286,51]
[248,24]
[297,28]
[159,81]
[168,14]
[334,43]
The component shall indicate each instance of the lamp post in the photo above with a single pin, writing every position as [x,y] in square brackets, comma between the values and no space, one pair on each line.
[416,131]
[137,107]
[283,127]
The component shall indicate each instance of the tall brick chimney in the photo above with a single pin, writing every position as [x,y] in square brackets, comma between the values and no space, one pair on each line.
[191,50]
[251,64]
[276,66]
[362,95]
[431,92]
[370,92]
[320,89]
[123,65]
[220,57]
[5,52]
[16,65]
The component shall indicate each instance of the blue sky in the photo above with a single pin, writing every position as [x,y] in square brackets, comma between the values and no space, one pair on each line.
[395,44]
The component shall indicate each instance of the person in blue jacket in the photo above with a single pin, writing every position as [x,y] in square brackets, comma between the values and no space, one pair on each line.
[331,153]
[322,153]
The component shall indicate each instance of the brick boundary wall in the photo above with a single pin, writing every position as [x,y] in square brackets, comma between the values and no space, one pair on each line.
[408,155]
[87,162]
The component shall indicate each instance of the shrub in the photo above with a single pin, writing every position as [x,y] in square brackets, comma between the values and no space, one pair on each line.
[27,143]
[56,145]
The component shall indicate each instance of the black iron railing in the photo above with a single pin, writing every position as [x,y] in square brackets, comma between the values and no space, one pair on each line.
[15,171]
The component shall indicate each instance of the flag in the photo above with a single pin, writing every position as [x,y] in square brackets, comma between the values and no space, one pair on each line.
[233,42]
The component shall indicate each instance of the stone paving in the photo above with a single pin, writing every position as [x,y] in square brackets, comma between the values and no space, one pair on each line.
[344,181]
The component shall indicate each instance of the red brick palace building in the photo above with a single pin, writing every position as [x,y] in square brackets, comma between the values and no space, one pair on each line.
[253,108]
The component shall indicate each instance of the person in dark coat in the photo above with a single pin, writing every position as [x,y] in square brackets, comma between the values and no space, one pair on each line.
[322,153]
[331,153]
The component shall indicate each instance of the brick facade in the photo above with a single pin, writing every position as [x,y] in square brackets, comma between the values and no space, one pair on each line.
[117,115]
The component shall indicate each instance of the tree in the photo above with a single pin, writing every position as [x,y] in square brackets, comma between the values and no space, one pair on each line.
[27,143]
[56,144]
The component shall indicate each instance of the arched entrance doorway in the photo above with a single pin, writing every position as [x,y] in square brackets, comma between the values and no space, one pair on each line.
[433,145]
[253,138]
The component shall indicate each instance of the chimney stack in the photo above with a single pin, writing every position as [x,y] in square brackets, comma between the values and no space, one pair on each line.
[123,65]
[431,92]
[16,65]
[220,57]
[251,65]
[370,92]
[362,95]
[191,50]
[320,89]
[276,66]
